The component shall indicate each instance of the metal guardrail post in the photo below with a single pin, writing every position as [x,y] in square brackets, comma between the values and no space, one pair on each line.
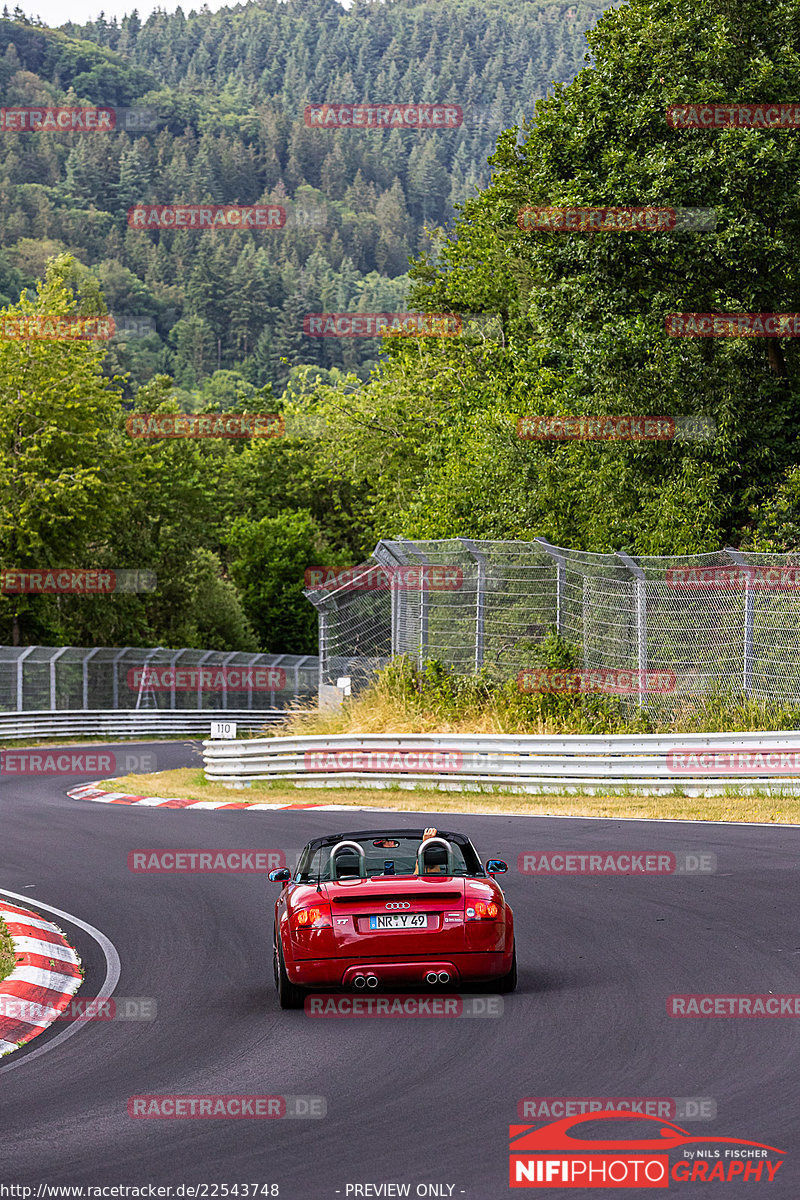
[747,647]
[641,619]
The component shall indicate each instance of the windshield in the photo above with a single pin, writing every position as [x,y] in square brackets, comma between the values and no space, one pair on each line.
[386,855]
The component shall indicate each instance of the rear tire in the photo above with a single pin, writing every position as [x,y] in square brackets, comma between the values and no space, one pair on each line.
[508,983]
[289,995]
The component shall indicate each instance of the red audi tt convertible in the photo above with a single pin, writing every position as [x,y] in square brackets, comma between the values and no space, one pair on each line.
[407,907]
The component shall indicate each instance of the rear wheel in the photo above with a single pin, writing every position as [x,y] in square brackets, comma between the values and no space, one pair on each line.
[508,983]
[289,995]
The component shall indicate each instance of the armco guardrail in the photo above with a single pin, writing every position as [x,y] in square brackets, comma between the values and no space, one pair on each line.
[131,723]
[707,763]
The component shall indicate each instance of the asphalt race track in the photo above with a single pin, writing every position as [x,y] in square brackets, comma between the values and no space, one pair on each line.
[425,1101]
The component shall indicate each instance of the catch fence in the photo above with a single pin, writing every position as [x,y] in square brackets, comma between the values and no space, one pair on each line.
[66,678]
[671,627]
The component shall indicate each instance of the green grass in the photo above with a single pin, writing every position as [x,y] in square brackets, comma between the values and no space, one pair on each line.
[404,699]
[190,784]
[7,957]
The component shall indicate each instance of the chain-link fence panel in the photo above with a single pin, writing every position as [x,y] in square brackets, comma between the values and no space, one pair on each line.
[56,678]
[724,622]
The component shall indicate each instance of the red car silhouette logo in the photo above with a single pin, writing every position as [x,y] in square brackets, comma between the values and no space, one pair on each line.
[557,1136]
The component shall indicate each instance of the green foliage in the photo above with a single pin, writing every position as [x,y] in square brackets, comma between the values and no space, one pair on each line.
[435,694]
[269,561]
[228,91]
[583,315]
[7,957]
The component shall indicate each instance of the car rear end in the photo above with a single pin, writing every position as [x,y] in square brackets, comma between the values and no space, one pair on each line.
[403,931]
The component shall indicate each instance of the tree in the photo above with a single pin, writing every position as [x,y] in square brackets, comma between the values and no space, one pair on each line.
[62,479]
[270,558]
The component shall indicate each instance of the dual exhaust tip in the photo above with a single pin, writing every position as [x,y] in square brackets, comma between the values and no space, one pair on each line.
[371,981]
[362,981]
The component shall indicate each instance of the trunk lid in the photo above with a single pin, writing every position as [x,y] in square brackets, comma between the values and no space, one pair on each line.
[439,899]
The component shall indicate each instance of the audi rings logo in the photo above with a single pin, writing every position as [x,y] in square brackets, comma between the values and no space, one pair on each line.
[399,904]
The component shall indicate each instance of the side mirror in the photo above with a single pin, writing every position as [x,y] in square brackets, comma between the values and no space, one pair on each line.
[281,876]
[496,866]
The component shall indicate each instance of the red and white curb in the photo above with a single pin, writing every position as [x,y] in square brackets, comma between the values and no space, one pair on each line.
[45,979]
[90,791]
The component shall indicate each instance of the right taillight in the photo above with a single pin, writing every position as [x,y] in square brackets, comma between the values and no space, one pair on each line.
[483,910]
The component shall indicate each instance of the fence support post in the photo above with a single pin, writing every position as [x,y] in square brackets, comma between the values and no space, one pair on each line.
[561,579]
[747,646]
[85,675]
[585,609]
[323,645]
[53,662]
[114,676]
[424,601]
[480,601]
[20,678]
[641,620]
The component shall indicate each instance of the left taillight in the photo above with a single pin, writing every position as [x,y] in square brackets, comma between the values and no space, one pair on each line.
[483,910]
[316,917]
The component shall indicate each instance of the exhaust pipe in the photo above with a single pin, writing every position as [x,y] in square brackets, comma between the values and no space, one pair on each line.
[359,981]
[431,978]
[372,981]
[444,977]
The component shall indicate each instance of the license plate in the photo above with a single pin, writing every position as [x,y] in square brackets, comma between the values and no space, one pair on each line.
[399,921]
